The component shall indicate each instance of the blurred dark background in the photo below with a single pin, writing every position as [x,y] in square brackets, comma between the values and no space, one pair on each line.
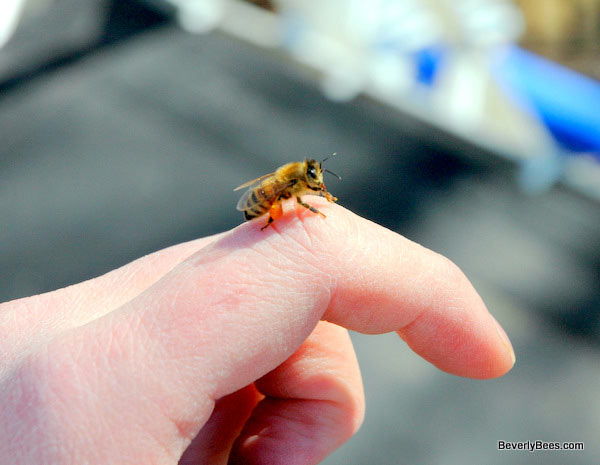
[121,135]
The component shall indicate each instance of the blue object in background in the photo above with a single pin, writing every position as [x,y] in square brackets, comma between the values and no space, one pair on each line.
[567,102]
[428,62]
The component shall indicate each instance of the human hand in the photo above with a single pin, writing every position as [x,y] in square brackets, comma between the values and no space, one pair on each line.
[216,346]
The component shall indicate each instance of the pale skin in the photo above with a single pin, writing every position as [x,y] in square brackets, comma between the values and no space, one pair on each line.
[232,345]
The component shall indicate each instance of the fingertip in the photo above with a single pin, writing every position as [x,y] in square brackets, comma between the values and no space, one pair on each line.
[462,340]
[510,360]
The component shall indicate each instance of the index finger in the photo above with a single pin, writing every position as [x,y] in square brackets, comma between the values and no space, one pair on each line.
[342,269]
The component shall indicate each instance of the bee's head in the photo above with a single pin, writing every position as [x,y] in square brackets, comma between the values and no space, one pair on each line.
[314,174]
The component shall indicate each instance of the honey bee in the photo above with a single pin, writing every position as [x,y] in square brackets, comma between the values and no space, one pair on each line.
[266,193]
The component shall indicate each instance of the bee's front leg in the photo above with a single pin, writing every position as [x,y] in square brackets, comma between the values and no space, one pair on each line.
[328,196]
[310,207]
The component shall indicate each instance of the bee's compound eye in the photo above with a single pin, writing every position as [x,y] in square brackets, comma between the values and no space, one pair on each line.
[312,173]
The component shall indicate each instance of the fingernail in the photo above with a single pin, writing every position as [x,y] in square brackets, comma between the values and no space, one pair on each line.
[505,341]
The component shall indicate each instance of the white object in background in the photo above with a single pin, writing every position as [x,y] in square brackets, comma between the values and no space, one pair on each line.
[461,96]
[10,13]
[395,26]
[359,45]
[198,16]
[485,23]
[394,31]
[239,18]
[391,75]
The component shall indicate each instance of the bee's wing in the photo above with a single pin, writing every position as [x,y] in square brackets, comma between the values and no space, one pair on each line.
[253,182]
[246,202]
[242,204]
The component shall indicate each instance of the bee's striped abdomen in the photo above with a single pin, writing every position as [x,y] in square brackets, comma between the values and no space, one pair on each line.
[258,204]
[254,212]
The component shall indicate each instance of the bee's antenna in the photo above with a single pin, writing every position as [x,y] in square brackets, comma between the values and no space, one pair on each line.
[325,159]
[331,172]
